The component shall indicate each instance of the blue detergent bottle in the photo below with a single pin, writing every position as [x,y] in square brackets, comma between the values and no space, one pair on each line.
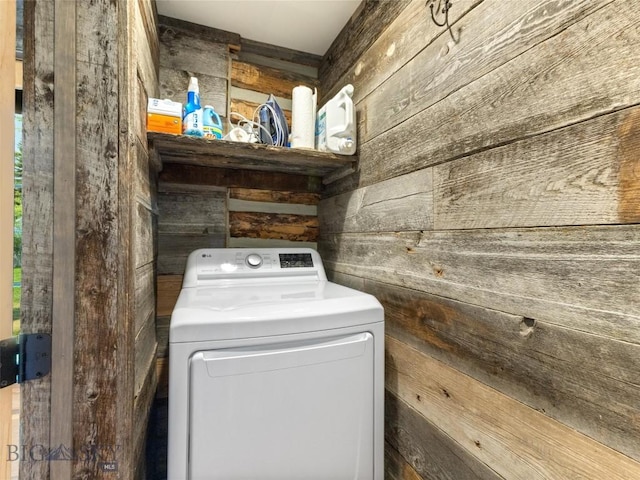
[192,112]
[212,124]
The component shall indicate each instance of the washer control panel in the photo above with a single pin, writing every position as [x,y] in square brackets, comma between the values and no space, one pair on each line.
[210,265]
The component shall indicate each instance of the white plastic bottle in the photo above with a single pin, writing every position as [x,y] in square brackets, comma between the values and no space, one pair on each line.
[192,114]
[336,124]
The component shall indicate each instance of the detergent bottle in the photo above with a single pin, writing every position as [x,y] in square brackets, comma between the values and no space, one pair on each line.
[336,124]
[211,123]
[192,112]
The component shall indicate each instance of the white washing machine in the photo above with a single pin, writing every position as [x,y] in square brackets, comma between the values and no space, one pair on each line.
[275,373]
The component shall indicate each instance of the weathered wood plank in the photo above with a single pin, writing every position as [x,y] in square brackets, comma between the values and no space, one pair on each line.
[173,250]
[406,37]
[273,225]
[246,156]
[37,190]
[143,238]
[588,179]
[532,94]
[145,46]
[102,382]
[277,63]
[247,110]
[258,98]
[192,213]
[144,300]
[396,467]
[582,380]
[443,67]
[235,205]
[176,27]
[402,203]
[234,242]
[162,370]
[162,334]
[432,454]
[184,50]
[67,267]
[267,80]
[581,278]
[143,400]
[197,175]
[260,195]
[365,25]
[213,90]
[145,353]
[252,47]
[168,288]
[491,426]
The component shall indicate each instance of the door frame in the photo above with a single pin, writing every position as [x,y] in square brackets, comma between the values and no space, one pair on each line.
[7,111]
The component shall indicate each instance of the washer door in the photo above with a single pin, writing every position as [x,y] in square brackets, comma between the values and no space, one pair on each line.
[286,411]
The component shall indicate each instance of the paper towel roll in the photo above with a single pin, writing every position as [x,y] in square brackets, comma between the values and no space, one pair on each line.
[303,117]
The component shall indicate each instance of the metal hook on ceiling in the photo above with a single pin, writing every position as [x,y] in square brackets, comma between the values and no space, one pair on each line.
[444,10]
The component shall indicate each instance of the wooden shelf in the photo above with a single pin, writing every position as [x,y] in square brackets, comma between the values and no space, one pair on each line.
[250,156]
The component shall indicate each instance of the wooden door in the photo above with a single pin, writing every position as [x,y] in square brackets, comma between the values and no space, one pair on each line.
[7,108]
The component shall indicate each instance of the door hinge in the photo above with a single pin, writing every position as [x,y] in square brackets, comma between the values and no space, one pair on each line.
[24,357]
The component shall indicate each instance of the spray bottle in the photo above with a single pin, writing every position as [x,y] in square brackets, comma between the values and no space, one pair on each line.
[336,124]
[192,112]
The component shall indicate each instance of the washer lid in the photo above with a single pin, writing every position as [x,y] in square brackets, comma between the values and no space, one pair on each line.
[233,312]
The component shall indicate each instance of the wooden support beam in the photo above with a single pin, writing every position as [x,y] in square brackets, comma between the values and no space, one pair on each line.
[64,226]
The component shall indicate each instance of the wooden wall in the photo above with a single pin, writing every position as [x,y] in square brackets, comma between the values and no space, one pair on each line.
[89,215]
[495,213]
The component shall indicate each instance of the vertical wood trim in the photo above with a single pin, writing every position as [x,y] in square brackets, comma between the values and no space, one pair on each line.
[64,214]
[7,108]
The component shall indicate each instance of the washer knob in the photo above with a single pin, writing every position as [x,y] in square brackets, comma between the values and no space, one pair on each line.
[254,260]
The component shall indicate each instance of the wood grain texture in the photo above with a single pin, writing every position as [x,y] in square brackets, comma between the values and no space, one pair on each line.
[253,47]
[401,41]
[192,213]
[273,226]
[267,80]
[145,295]
[490,425]
[254,58]
[37,190]
[247,110]
[168,288]
[366,24]
[443,67]
[396,467]
[532,94]
[431,453]
[162,334]
[174,27]
[260,195]
[143,235]
[402,203]
[101,379]
[183,50]
[64,326]
[580,379]
[173,249]
[580,278]
[245,242]
[245,156]
[571,176]
[144,355]
[199,176]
